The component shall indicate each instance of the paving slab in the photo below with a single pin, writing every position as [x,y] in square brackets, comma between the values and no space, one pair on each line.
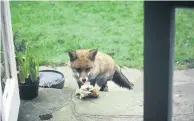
[184,75]
[48,101]
[65,113]
[69,79]
[112,103]
[116,105]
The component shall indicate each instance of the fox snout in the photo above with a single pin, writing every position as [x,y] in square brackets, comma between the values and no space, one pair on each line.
[83,77]
[83,80]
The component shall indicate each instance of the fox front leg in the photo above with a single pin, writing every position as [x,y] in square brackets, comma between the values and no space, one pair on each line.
[79,84]
[77,79]
[91,79]
[102,79]
[104,87]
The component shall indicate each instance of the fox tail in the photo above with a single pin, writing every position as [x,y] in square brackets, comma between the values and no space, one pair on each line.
[121,80]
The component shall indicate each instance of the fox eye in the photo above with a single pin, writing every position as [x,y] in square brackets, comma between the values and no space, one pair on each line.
[78,69]
[88,69]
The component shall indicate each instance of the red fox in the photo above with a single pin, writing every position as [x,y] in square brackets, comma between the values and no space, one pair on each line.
[96,67]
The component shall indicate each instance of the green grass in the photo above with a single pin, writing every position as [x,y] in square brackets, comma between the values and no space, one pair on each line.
[116,28]
[184,45]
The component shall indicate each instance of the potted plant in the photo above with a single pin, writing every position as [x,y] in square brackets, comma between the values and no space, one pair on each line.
[28,75]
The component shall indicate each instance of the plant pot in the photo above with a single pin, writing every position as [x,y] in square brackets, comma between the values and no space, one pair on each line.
[29,91]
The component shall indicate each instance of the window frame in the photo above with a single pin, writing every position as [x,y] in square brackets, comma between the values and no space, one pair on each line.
[159,34]
[10,100]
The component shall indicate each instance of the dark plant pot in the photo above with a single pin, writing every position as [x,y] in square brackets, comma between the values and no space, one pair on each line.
[29,91]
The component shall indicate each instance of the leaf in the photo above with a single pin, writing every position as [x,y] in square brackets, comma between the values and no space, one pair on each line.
[33,75]
[22,75]
[23,67]
[34,68]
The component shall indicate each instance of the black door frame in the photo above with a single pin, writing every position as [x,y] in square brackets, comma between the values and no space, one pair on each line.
[159,33]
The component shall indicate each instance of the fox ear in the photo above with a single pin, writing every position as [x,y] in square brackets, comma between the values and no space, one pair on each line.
[72,55]
[92,54]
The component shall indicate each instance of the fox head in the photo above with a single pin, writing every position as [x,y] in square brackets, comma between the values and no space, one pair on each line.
[82,62]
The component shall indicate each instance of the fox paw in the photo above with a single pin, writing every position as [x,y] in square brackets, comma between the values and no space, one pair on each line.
[105,89]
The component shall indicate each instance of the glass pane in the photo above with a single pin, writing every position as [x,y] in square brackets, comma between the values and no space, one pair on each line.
[183,98]
[3,75]
[114,28]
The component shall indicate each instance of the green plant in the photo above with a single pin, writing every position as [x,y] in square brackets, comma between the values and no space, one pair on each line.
[20,45]
[28,67]
[22,67]
[33,68]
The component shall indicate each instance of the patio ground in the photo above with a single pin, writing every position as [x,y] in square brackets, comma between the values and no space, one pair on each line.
[116,105]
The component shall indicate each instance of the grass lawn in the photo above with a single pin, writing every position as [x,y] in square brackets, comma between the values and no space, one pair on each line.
[116,28]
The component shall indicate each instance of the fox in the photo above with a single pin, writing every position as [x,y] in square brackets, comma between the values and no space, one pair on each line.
[90,66]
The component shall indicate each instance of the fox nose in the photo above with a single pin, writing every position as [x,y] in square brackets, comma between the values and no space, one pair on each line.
[83,80]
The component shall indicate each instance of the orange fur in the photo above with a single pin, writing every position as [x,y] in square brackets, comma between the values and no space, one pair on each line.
[96,67]
[102,63]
